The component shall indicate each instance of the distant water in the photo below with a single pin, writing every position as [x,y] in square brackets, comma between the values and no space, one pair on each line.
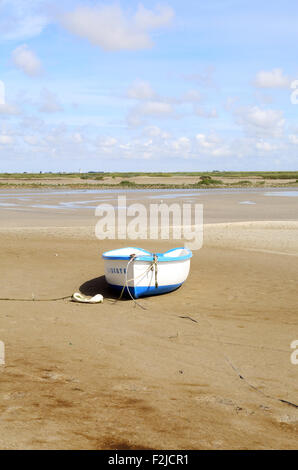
[283,193]
[73,200]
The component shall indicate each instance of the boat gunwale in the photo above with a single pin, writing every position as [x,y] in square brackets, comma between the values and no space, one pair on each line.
[161,257]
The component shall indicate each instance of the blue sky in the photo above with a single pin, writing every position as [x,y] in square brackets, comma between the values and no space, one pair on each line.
[175,86]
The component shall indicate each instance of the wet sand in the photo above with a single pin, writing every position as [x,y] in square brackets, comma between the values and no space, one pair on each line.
[205,367]
[75,208]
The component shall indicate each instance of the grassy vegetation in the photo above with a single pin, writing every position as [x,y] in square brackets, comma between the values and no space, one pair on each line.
[29,176]
[127,183]
[127,180]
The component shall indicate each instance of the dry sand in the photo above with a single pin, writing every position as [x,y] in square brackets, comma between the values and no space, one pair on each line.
[205,367]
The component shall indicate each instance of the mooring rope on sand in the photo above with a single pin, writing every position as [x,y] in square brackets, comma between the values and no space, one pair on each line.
[238,372]
[152,266]
[33,299]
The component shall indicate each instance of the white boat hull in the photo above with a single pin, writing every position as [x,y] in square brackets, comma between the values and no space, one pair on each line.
[142,276]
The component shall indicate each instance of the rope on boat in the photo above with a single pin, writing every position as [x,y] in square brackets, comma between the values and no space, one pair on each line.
[155,269]
[151,267]
[132,257]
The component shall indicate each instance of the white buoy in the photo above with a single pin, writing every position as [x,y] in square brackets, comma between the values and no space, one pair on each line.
[78,297]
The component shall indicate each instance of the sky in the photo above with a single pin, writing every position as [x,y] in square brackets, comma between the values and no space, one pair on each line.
[148,86]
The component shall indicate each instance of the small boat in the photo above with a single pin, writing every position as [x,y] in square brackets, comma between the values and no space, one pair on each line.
[138,272]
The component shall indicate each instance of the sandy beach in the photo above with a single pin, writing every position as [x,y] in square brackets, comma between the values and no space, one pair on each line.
[205,367]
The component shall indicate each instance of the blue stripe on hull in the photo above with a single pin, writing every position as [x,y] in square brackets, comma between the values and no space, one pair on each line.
[141,291]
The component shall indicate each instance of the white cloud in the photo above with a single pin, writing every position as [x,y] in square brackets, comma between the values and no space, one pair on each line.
[204,78]
[156,108]
[32,123]
[22,19]
[293,139]
[4,107]
[147,19]
[109,142]
[77,138]
[26,60]
[49,102]
[31,139]
[204,141]
[264,99]
[183,144]
[2,92]
[6,139]
[151,103]
[63,143]
[107,145]
[141,90]
[191,96]
[261,122]
[223,151]
[272,79]
[155,131]
[209,114]
[8,109]
[265,146]
[134,119]
[108,27]
[213,145]
[231,103]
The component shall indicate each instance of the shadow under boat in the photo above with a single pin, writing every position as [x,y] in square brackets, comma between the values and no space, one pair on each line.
[99,285]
